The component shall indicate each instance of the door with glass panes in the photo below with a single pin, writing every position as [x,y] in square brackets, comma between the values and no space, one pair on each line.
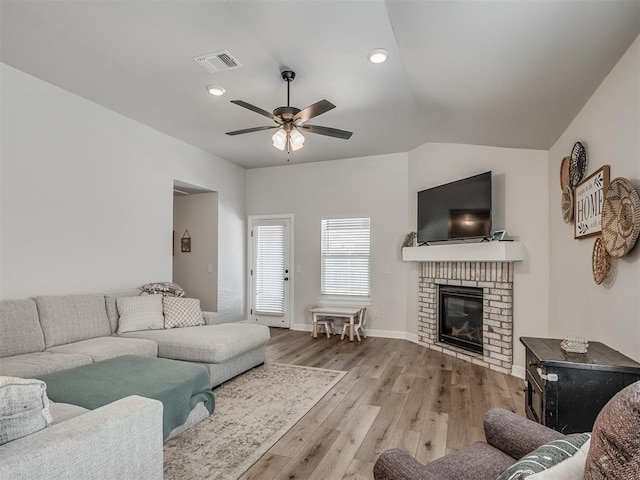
[269,270]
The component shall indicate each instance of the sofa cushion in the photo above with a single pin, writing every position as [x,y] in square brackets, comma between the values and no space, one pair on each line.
[615,444]
[72,318]
[182,312]
[111,307]
[24,408]
[544,458]
[102,348]
[140,313]
[207,343]
[64,411]
[38,363]
[20,328]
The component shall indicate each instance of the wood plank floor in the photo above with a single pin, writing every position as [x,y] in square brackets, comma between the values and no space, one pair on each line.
[395,394]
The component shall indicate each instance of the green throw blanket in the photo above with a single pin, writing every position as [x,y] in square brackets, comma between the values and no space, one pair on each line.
[180,386]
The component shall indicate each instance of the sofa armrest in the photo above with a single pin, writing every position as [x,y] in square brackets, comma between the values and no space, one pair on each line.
[397,464]
[211,318]
[120,441]
[515,435]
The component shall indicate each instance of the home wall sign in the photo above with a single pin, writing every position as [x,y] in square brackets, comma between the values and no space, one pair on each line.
[588,201]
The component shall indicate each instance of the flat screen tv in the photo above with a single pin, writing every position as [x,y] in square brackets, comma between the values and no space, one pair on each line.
[456,210]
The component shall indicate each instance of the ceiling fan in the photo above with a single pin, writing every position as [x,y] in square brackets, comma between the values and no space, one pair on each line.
[290,120]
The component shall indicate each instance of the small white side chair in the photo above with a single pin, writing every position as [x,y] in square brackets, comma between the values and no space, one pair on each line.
[358,325]
[326,323]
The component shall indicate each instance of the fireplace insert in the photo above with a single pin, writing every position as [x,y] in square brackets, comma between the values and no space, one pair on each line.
[460,317]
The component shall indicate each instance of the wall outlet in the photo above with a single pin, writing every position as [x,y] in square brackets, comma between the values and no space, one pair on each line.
[226,310]
[210,268]
[376,313]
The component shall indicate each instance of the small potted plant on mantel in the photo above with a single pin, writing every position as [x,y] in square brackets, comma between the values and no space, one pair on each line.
[410,239]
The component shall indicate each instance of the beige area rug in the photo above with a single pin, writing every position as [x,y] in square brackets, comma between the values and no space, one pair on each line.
[253,411]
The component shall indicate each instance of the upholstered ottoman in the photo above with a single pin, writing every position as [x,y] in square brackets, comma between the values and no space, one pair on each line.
[180,386]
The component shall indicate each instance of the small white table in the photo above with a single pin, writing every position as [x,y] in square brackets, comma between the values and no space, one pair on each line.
[341,312]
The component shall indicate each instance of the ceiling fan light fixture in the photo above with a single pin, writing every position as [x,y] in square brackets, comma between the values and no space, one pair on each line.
[378,55]
[279,139]
[297,139]
[215,90]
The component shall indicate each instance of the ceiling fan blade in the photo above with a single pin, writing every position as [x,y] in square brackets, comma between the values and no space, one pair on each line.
[311,111]
[253,108]
[254,129]
[329,132]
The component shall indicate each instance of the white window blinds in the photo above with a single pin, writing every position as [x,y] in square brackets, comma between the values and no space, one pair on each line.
[345,257]
[269,267]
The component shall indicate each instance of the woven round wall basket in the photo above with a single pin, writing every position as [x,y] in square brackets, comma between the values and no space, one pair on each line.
[564,172]
[620,217]
[567,204]
[600,261]
[578,164]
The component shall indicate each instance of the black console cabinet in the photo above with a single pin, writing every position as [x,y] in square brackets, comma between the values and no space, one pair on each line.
[566,391]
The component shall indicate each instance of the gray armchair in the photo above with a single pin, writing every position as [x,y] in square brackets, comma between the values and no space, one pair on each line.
[509,438]
[614,452]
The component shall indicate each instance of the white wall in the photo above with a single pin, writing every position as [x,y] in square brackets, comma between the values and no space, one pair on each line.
[609,125]
[374,186]
[197,271]
[520,206]
[86,197]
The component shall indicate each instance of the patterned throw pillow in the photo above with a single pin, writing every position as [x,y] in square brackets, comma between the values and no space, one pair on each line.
[140,313]
[24,408]
[615,442]
[166,289]
[182,312]
[548,456]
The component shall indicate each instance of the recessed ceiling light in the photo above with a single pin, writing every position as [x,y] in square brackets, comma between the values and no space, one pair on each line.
[378,55]
[214,90]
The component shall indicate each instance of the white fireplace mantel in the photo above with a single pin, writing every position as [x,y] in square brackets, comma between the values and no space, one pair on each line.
[466,252]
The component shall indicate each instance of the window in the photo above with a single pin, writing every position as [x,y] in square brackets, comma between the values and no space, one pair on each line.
[345,257]
[269,267]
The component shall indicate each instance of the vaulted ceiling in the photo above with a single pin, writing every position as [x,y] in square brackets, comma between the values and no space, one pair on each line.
[502,73]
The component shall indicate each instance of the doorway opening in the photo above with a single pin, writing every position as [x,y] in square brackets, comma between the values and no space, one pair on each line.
[195,269]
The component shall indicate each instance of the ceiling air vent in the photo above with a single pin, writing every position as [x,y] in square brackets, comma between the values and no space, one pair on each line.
[217,62]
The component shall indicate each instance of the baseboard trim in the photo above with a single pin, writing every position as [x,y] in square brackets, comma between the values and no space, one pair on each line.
[517,371]
[412,337]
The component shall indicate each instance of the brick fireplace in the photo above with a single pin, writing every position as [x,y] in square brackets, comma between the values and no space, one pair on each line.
[496,281]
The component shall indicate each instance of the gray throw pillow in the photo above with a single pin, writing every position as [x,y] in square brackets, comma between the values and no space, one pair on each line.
[166,289]
[182,312]
[546,457]
[140,313]
[24,408]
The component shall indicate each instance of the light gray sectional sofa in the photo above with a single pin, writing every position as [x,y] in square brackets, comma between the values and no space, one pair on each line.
[47,334]
[120,441]
[51,333]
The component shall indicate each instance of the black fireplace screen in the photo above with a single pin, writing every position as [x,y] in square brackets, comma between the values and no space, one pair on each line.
[460,317]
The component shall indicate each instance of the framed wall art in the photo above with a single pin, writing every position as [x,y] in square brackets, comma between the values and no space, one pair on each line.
[185,242]
[588,201]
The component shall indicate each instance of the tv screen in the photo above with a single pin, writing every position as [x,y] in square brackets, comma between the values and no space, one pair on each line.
[456,210]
